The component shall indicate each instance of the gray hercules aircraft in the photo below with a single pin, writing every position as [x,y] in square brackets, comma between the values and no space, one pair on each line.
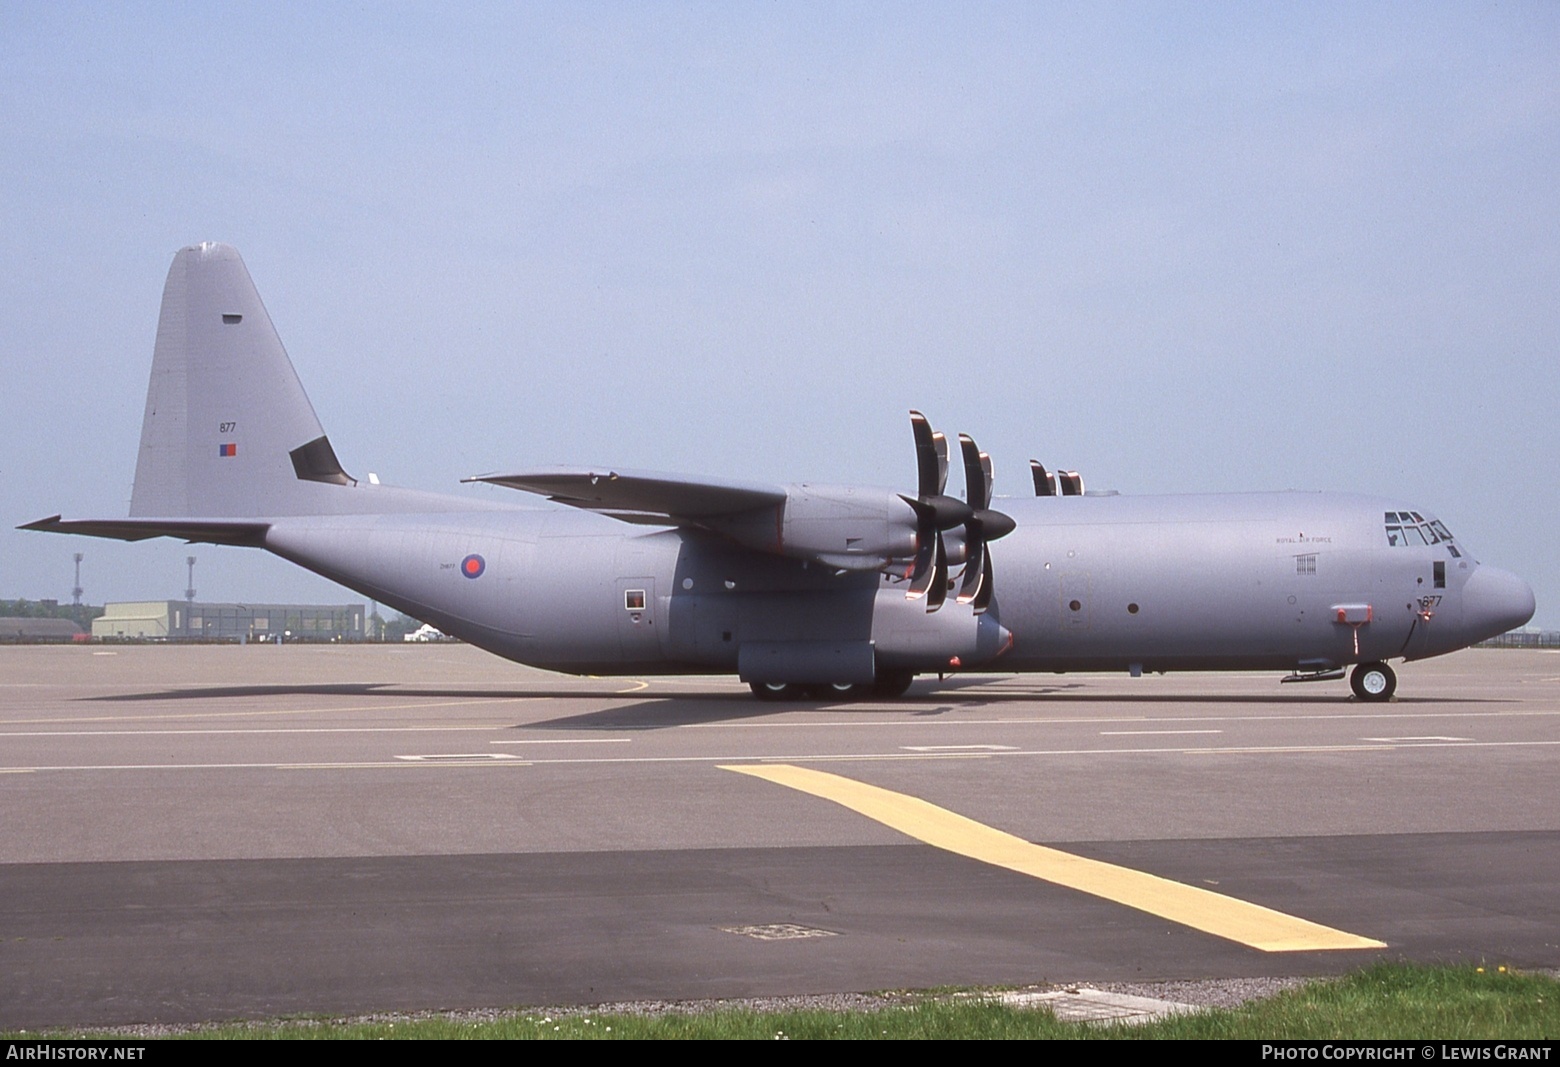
[803,590]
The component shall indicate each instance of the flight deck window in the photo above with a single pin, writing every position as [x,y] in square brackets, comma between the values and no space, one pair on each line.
[1440,574]
[1410,528]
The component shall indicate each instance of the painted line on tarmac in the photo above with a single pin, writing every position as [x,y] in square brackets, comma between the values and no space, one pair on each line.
[259,713]
[244,732]
[822,757]
[1407,740]
[1105,720]
[564,740]
[1153,733]
[1201,909]
[959,748]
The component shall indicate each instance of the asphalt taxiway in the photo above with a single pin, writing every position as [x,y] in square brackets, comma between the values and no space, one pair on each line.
[214,832]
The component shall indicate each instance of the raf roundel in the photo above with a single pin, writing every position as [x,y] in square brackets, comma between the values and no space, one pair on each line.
[473,566]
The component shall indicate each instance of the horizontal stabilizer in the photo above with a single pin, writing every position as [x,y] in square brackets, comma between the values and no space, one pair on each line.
[642,494]
[206,531]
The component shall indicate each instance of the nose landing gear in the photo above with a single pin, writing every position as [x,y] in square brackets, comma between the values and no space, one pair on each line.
[1373,681]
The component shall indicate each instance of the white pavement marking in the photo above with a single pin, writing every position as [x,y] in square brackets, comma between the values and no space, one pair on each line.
[246,732]
[260,713]
[1399,740]
[863,757]
[945,721]
[455,756]
[566,741]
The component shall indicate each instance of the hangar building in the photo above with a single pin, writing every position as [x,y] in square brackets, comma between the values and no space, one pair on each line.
[179,620]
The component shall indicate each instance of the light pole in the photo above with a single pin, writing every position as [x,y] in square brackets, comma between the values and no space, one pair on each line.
[189,597]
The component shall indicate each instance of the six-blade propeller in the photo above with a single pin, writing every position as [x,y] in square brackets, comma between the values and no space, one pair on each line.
[938,513]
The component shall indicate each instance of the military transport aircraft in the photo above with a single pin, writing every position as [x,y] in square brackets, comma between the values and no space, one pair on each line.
[803,590]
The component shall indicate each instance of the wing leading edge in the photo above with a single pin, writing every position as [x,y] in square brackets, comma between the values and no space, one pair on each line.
[643,496]
[243,532]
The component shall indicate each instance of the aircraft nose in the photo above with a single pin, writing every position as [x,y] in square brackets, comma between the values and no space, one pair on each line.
[1495,601]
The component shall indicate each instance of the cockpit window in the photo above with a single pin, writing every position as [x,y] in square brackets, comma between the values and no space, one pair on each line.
[1412,528]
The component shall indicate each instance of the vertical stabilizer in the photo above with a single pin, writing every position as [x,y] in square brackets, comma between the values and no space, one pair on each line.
[228,430]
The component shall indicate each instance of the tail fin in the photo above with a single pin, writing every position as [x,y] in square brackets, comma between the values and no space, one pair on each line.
[228,430]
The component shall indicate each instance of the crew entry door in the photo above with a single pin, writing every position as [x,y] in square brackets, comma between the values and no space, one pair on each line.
[638,626]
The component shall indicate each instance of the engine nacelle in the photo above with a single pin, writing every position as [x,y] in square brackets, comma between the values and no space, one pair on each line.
[840,526]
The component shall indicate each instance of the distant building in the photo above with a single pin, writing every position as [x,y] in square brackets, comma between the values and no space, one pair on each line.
[178,620]
[37,631]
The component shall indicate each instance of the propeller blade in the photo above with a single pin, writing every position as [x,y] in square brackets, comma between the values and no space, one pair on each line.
[975,567]
[987,586]
[928,542]
[928,477]
[1045,484]
[939,589]
[1072,483]
[976,489]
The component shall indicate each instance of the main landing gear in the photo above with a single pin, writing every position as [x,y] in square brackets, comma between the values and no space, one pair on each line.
[889,684]
[1373,681]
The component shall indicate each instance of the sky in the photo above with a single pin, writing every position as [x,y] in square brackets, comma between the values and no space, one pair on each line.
[1178,247]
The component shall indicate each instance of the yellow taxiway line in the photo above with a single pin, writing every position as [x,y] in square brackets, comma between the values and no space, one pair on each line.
[1213,913]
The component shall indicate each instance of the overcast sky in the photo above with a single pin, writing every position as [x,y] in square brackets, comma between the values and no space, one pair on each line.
[1181,247]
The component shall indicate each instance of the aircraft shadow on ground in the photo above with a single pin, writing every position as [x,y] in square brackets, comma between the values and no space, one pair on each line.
[639,710]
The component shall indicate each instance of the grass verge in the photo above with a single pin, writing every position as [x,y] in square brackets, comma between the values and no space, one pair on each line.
[1385,1001]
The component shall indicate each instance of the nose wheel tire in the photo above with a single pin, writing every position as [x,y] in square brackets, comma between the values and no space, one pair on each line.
[1373,681]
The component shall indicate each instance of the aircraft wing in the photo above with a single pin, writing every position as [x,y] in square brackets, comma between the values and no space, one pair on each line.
[642,496]
[206,531]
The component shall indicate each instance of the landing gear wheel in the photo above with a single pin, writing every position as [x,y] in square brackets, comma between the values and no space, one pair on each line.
[1373,681]
[838,691]
[774,691]
[892,684]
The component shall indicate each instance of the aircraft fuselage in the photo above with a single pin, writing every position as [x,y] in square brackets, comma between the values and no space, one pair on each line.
[1241,581]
